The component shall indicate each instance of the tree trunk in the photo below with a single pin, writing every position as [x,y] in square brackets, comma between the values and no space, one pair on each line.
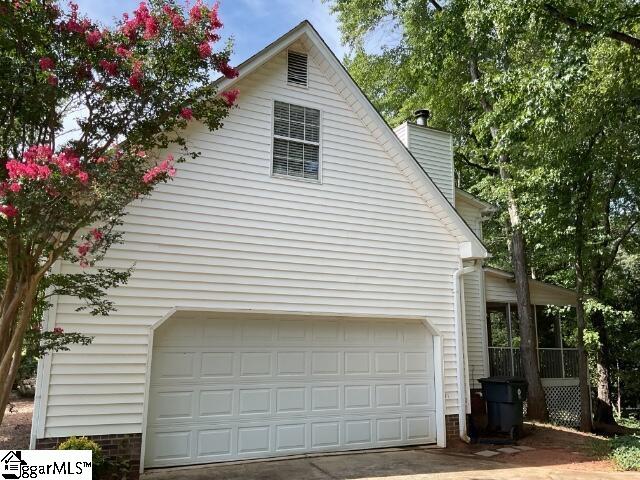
[12,355]
[604,407]
[619,389]
[536,404]
[586,424]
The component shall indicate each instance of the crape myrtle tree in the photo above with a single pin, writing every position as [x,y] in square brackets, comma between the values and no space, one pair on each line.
[133,88]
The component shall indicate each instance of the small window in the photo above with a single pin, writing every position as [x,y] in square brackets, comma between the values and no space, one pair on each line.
[297,69]
[296,141]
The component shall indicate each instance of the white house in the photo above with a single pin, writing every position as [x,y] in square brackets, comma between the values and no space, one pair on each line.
[305,285]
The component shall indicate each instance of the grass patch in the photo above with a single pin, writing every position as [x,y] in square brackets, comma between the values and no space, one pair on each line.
[598,448]
[625,452]
[629,422]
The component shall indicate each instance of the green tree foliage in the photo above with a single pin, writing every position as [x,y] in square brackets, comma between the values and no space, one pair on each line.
[133,88]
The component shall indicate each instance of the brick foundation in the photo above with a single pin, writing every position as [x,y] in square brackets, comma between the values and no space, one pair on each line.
[452,426]
[118,446]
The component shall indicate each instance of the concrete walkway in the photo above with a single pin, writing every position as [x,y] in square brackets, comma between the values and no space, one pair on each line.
[417,464]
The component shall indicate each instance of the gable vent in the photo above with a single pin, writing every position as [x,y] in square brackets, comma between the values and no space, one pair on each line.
[297,68]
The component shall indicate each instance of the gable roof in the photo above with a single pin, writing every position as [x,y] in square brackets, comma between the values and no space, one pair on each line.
[541,287]
[484,207]
[470,245]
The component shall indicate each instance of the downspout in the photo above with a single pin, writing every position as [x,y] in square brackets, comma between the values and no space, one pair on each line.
[461,346]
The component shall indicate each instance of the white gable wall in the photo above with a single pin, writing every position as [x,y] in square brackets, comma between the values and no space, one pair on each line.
[224,234]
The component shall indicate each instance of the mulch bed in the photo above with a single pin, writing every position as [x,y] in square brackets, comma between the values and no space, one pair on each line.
[16,425]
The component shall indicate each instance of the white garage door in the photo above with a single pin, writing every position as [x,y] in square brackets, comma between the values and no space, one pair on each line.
[238,388]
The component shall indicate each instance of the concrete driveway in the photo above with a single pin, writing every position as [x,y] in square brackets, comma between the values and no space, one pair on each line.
[411,464]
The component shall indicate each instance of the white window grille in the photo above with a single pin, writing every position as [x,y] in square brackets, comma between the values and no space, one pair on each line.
[296,141]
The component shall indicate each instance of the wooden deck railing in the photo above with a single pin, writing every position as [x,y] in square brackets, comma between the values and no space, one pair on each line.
[554,362]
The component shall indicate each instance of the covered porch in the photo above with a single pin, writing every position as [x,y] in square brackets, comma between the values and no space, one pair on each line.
[555,332]
[553,311]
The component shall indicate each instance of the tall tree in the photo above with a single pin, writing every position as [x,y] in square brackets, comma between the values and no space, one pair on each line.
[136,86]
[461,58]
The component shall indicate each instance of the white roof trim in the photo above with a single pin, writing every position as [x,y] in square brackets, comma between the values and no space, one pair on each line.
[470,244]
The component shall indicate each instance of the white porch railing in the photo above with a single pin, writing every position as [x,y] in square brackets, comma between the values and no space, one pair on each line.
[554,362]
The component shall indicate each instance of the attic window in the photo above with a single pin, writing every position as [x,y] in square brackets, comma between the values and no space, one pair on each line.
[296,141]
[297,68]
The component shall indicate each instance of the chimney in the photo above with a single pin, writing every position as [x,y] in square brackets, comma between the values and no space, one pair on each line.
[432,148]
[422,117]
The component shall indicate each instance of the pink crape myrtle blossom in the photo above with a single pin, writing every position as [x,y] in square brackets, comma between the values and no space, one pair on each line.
[164,168]
[186,113]
[111,68]
[8,211]
[73,24]
[151,28]
[204,50]
[227,70]
[97,234]
[135,80]
[36,165]
[123,51]
[230,96]
[214,20]
[195,14]
[93,37]
[46,63]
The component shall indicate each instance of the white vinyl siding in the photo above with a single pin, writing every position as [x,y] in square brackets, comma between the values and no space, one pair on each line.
[225,234]
[474,302]
[433,151]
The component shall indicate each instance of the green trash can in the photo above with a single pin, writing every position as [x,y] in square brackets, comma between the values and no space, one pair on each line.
[505,397]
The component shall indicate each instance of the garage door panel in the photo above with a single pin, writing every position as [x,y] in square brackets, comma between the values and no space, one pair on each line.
[214,443]
[215,403]
[291,364]
[309,386]
[208,403]
[217,364]
[251,439]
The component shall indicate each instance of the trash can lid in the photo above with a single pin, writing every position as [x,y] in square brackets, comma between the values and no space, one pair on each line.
[502,379]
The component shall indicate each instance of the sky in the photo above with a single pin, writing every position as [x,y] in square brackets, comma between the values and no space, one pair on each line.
[253,24]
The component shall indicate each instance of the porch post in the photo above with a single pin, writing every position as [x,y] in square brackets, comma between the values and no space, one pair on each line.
[561,347]
[513,367]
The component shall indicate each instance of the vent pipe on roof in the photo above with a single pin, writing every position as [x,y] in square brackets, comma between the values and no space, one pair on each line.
[422,117]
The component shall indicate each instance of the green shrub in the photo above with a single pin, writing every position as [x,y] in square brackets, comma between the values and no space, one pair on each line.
[625,451]
[83,443]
